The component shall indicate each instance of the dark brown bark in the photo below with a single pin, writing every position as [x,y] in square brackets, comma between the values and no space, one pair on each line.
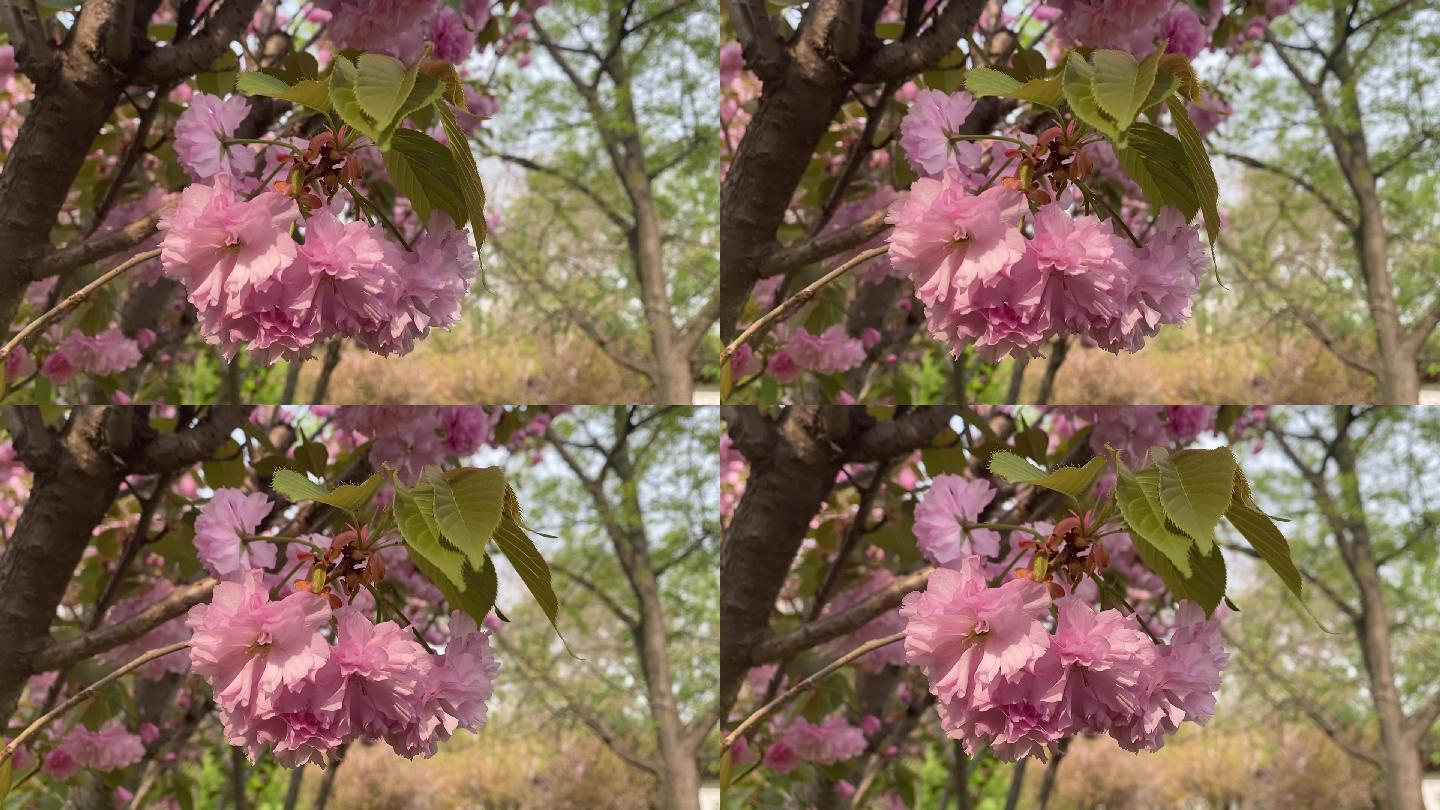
[77,471]
[77,85]
[805,82]
[794,458]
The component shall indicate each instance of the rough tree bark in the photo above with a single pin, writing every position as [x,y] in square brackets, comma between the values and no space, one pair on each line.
[77,84]
[623,517]
[794,458]
[805,81]
[77,469]
[1340,500]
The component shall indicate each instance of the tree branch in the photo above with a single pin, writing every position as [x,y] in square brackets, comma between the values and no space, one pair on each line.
[794,257]
[827,628]
[80,254]
[175,62]
[70,651]
[1330,205]
[608,210]
[763,50]
[615,607]
[172,451]
[907,57]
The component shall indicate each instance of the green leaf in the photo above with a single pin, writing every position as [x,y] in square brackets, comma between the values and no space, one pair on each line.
[312,93]
[1207,190]
[382,84]
[424,172]
[468,174]
[1073,481]
[1195,489]
[343,76]
[987,81]
[353,497]
[1156,161]
[1206,586]
[1120,85]
[726,767]
[295,487]
[260,84]
[349,497]
[5,771]
[1139,503]
[1165,84]
[528,563]
[991,82]
[422,541]
[1265,537]
[1081,98]
[468,506]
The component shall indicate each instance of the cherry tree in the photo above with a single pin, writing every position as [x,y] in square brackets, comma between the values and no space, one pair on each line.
[996,181]
[268,179]
[310,577]
[1023,576]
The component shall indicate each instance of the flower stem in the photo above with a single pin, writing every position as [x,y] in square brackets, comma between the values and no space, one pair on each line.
[262,142]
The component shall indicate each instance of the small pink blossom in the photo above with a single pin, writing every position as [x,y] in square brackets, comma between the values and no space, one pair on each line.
[199,132]
[220,532]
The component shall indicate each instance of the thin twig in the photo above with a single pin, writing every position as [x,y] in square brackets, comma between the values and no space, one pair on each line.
[75,299]
[84,695]
[792,692]
[798,299]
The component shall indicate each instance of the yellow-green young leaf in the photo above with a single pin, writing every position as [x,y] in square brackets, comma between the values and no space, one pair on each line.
[531,567]
[445,73]
[1120,85]
[1265,537]
[382,84]
[1028,64]
[986,81]
[260,84]
[1207,190]
[296,487]
[5,771]
[1081,98]
[422,540]
[343,76]
[424,172]
[353,497]
[727,379]
[467,173]
[312,93]
[1156,161]
[1073,481]
[949,459]
[1195,490]
[1140,506]
[991,82]
[313,457]
[468,506]
[1165,84]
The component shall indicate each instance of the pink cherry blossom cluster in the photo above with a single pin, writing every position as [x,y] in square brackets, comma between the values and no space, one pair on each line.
[411,437]
[109,352]
[109,749]
[282,687]
[401,28]
[985,285]
[829,352]
[1134,429]
[1002,678]
[830,741]
[255,287]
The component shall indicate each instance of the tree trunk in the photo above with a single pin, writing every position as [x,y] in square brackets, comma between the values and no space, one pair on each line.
[69,498]
[1400,751]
